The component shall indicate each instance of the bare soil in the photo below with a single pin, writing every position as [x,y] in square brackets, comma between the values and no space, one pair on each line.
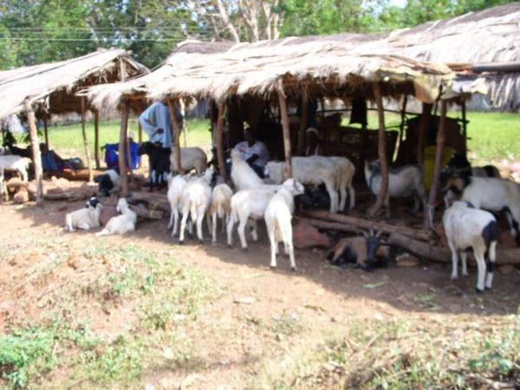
[325,298]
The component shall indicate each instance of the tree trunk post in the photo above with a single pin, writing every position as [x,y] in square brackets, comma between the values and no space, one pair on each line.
[176,135]
[464,126]
[96,138]
[303,122]
[401,128]
[219,140]
[85,140]
[381,149]
[122,147]
[37,157]
[46,130]
[287,169]
[423,131]
[441,139]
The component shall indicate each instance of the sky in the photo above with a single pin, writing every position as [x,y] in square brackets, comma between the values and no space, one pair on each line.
[398,3]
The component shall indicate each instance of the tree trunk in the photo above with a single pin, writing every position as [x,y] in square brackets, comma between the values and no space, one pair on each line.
[286,134]
[37,157]
[122,148]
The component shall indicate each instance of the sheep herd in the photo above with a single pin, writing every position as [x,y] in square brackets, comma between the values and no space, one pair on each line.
[468,222]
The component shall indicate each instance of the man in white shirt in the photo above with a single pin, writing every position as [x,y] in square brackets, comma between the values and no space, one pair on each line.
[254,152]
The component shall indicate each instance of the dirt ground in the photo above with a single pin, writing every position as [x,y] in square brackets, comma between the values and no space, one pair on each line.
[327,298]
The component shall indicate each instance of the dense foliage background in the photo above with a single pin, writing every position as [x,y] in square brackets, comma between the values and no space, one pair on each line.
[36,31]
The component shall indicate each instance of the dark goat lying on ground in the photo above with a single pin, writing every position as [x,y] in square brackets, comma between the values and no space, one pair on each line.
[360,252]
[159,163]
[108,183]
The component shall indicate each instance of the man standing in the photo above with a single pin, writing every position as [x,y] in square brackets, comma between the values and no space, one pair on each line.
[155,121]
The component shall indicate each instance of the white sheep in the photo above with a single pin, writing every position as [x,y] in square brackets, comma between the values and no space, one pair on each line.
[16,163]
[345,177]
[176,185]
[491,194]
[85,218]
[248,206]
[191,158]
[466,227]
[220,207]
[195,201]
[278,216]
[310,170]
[242,174]
[120,224]
[403,182]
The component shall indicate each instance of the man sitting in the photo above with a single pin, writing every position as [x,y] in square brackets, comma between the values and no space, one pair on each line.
[254,152]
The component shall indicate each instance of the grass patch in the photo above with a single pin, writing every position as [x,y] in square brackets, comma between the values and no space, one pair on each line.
[156,296]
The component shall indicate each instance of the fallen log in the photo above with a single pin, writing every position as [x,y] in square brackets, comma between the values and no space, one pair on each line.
[443,255]
[153,201]
[325,220]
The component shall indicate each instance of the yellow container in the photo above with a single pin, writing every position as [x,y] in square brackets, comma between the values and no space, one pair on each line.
[429,162]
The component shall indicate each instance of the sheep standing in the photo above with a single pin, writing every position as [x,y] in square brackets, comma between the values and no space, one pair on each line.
[16,163]
[195,201]
[220,207]
[467,227]
[176,185]
[310,170]
[242,174]
[120,224]
[489,194]
[278,217]
[403,182]
[191,158]
[346,172]
[85,218]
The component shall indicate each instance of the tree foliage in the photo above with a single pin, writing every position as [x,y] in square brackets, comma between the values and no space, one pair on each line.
[36,31]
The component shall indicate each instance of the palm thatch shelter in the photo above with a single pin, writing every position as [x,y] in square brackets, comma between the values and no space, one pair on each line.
[436,62]
[51,88]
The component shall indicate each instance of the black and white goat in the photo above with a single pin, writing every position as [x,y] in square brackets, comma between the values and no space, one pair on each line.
[468,227]
[109,183]
[403,182]
[490,194]
[86,218]
[363,252]
[159,162]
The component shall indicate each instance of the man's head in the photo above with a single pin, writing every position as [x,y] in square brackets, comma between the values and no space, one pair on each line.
[312,136]
[249,136]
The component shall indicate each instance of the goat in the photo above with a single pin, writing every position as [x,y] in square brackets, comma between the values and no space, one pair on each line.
[195,201]
[403,182]
[242,175]
[220,207]
[120,224]
[176,185]
[85,218]
[109,183]
[16,163]
[191,158]
[491,194]
[346,172]
[159,161]
[362,252]
[310,170]
[467,227]
[278,216]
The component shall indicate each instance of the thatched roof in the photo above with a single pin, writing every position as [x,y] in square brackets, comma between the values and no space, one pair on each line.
[405,59]
[53,85]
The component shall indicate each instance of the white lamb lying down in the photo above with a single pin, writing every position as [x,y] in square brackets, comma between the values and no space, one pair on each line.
[86,218]
[120,224]
[278,216]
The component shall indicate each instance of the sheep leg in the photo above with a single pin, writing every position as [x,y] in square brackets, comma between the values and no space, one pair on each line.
[454,261]
[481,264]
[229,229]
[333,197]
[214,228]
[491,264]
[463,260]
[241,232]
[274,247]
[352,196]
[183,225]
[200,218]
[84,226]
[342,197]
[253,227]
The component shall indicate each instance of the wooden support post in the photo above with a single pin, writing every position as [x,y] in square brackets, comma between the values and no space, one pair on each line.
[219,140]
[401,128]
[381,148]
[423,131]
[287,169]
[441,139]
[122,147]
[96,138]
[183,127]
[464,127]
[303,122]
[85,140]
[46,130]
[176,136]
[37,157]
